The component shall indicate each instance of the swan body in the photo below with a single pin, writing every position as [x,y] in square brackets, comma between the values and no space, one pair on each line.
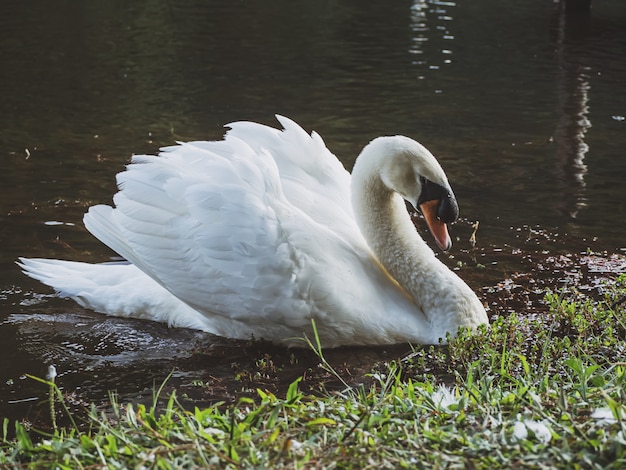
[261,233]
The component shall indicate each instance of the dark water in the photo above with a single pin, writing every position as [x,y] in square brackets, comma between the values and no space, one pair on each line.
[524,106]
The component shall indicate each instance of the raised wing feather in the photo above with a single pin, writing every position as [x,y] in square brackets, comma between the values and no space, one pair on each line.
[241,228]
[311,177]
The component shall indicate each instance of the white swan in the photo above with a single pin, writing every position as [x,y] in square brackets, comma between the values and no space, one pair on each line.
[256,235]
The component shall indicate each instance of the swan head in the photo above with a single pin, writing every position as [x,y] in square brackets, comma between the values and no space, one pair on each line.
[409,169]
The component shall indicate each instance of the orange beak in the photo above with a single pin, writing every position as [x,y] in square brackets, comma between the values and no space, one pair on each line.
[438,228]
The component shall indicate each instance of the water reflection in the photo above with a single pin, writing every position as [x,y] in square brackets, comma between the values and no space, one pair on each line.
[423,13]
[419,28]
[87,83]
[572,98]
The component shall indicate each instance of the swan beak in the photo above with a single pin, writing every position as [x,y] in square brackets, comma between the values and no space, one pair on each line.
[438,228]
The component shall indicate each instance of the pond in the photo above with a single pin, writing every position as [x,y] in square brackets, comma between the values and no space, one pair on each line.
[524,106]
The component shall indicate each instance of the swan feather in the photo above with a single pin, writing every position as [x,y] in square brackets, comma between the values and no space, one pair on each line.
[253,235]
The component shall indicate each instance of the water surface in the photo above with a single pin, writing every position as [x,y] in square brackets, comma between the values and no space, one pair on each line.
[524,107]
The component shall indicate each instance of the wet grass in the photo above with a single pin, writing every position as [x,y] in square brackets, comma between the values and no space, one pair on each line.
[544,390]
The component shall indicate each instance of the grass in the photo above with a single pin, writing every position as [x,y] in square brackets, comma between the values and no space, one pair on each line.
[542,392]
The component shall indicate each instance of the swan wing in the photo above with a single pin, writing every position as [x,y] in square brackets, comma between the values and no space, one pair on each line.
[311,177]
[255,228]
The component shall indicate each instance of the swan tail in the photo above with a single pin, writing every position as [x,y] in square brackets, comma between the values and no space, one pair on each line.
[75,280]
[54,273]
[117,289]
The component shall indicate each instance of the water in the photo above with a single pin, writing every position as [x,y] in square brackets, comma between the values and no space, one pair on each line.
[524,107]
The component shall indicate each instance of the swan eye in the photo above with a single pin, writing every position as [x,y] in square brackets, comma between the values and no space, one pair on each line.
[448,209]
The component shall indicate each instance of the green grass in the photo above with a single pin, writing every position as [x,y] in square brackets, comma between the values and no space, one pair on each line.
[540,392]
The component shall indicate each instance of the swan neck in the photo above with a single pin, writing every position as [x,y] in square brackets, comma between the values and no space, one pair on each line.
[387,227]
[380,212]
